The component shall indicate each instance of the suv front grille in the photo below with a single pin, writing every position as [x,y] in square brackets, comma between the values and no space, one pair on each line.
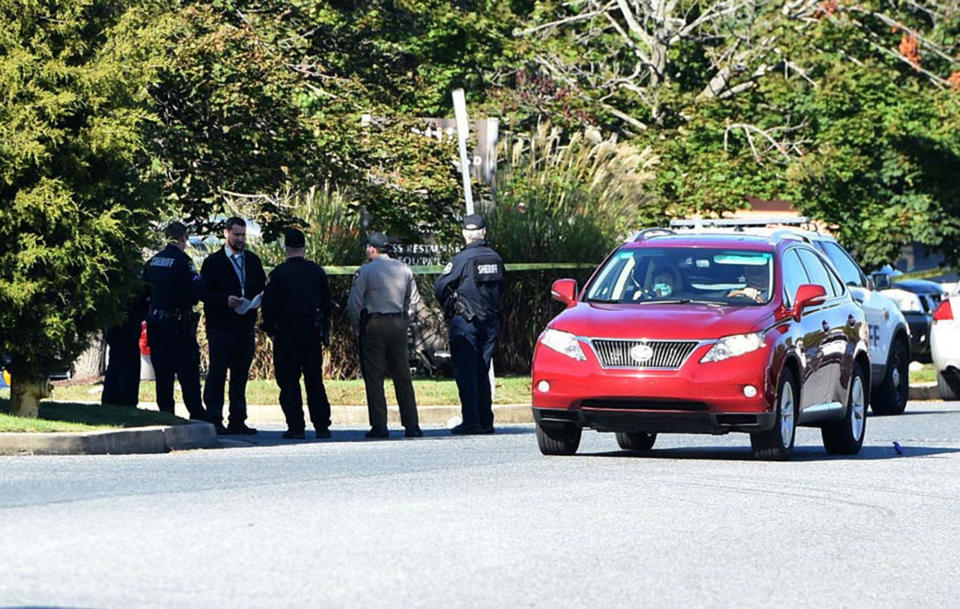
[663,354]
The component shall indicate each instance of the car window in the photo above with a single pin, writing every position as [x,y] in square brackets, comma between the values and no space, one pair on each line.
[685,274]
[794,276]
[848,269]
[817,271]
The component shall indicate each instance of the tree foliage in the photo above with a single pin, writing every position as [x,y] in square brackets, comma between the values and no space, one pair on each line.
[76,183]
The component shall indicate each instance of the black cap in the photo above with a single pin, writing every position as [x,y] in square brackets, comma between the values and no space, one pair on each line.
[377,240]
[473,222]
[294,239]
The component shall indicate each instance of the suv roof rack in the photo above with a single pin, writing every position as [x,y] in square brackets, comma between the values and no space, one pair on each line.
[740,223]
[652,232]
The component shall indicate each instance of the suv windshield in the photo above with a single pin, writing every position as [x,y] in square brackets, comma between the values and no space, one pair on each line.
[685,274]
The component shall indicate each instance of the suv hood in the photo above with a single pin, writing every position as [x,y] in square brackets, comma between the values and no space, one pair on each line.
[662,321]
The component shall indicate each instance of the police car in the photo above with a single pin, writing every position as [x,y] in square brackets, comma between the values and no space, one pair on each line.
[889,334]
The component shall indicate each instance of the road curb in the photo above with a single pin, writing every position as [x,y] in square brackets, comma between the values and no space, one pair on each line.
[924,391]
[139,440]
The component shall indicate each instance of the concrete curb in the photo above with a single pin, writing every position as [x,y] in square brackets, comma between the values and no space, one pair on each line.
[139,440]
[924,391]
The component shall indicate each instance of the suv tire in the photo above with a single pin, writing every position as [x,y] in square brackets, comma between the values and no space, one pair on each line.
[558,438]
[845,437]
[639,440]
[776,444]
[890,397]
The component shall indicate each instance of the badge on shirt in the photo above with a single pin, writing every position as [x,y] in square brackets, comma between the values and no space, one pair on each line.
[447,269]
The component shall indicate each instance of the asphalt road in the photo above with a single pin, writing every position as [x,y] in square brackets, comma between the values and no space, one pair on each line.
[489,522]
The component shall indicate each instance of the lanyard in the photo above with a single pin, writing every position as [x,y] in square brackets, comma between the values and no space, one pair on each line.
[241,273]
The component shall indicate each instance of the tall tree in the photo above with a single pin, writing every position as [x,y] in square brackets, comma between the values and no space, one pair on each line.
[75,182]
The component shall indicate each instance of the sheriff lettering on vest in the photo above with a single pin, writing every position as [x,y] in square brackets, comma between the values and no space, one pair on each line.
[470,290]
[174,287]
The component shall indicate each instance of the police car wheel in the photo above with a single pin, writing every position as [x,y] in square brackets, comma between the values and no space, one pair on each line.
[640,440]
[558,438]
[890,397]
[948,390]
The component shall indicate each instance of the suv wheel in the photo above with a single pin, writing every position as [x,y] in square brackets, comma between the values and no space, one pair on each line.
[891,395]
[845,437]
[639,440]
[776,444]
[558,438]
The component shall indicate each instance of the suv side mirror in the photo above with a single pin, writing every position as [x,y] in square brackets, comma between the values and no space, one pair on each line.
[808,295]
[565,291]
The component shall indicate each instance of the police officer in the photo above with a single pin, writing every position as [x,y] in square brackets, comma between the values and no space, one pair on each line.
[469,290]
[296,313]
[121,383]
[382,301]
[174,287]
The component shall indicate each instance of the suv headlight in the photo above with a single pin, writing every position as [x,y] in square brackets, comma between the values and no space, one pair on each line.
[732,346]
[563,342]
[908,302]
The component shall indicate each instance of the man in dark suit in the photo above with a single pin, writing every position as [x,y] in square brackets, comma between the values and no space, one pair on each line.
[234,277]
[296,313]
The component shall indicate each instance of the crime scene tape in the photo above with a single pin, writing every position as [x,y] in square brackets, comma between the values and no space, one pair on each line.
[923,274]
[437,269]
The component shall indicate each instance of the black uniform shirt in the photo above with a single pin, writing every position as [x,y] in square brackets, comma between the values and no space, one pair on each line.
[173,280]
[297,295]
[476,274]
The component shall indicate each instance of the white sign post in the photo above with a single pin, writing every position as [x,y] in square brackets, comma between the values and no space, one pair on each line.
[463,127]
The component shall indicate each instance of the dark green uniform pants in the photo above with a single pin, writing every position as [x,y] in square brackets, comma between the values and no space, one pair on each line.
[383,350]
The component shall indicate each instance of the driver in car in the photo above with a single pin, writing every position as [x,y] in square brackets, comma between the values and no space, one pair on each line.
[756,280]
[665,281]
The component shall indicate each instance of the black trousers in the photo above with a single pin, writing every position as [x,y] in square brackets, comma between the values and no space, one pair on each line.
[383,350]
[174,353]
[471,345]
[121,383]
[295,353]
[233,351]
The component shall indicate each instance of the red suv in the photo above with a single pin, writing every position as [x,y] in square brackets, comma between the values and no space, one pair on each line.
[705,334]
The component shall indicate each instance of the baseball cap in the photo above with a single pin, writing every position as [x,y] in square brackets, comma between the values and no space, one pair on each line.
[473,222]
[377,239]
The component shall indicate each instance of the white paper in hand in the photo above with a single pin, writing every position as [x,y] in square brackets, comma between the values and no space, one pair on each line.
[246,304]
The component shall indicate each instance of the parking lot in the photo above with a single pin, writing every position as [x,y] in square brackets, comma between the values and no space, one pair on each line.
[487,521]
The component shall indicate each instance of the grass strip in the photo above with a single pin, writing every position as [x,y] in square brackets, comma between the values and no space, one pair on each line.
[66,416]
[430,392]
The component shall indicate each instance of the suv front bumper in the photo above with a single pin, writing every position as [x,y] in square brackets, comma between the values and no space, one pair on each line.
[657,421]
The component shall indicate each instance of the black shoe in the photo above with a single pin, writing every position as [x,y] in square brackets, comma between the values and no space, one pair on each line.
[199,417]
[294,435]
[413,432]
[323,434]
[465,430]
[220,429]
[377,433]
[241,430]
[486,430]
